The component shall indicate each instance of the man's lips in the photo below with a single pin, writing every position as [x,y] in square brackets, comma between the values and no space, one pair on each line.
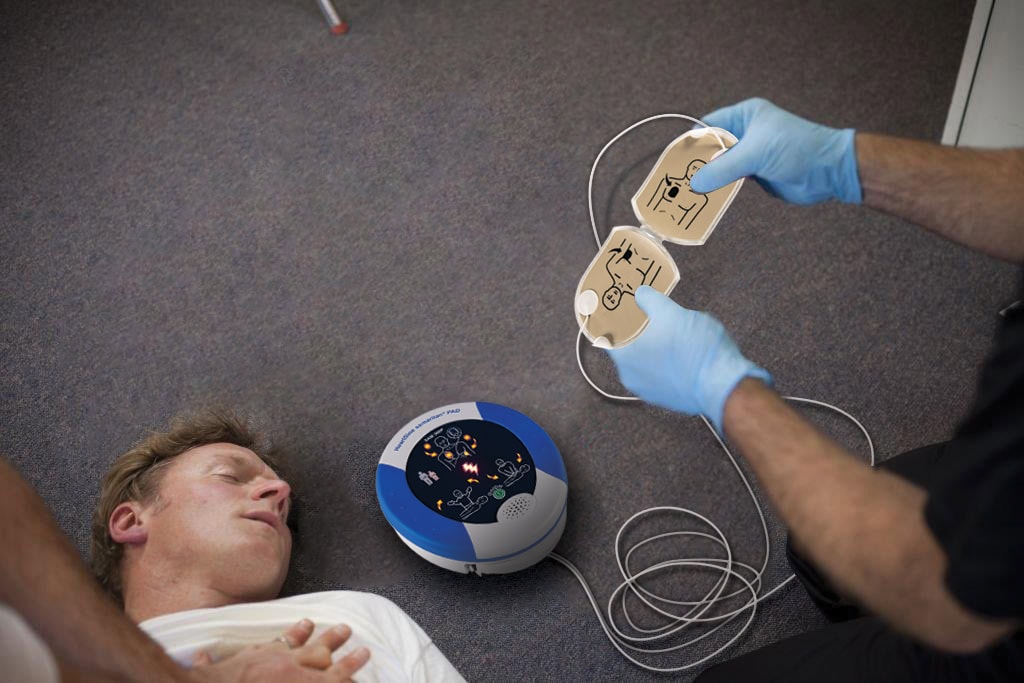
[266,517]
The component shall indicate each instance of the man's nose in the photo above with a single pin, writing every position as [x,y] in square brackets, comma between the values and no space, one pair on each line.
[276,490]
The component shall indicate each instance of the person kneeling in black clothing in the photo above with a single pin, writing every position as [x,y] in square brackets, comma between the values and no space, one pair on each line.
[918,561]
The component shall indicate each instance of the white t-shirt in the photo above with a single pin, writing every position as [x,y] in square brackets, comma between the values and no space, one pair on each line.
[24,656]
[399,649]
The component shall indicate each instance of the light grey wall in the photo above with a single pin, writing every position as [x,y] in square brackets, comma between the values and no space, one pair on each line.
[987,109]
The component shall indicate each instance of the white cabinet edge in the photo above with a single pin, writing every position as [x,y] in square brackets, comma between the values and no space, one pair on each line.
[968,65]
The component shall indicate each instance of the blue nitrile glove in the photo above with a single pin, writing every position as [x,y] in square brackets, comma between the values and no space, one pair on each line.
[684,360]
[791,158]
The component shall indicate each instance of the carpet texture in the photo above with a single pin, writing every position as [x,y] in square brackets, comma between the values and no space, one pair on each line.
[219,202]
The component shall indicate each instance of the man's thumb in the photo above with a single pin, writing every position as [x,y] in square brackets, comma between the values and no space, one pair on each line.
[732,165]
[652,302]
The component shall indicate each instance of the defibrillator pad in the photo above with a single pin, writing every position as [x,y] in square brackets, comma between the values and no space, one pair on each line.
[668,210]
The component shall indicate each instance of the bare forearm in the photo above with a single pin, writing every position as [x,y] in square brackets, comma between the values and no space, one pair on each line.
[70,673]
[42,577]
[973,197]
[864,528]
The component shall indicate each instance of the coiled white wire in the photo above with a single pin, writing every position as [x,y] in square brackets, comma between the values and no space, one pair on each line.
[696,612]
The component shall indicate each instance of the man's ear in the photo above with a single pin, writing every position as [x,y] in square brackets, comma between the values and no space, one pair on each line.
[126,524]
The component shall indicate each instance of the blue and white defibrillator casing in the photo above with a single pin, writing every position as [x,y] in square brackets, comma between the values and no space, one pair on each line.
[474,487]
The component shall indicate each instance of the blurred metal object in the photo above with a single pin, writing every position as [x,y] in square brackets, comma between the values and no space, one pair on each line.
[331,15]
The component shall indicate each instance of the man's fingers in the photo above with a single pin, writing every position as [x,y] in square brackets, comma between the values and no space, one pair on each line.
[652,302]
[349,664]
[734,118]
[657,306]
[334,638]
[295,636]
[317,655]
[314,656]
[739,161]
[202,658]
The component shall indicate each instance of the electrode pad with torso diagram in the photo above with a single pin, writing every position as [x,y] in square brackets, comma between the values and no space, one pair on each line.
[668,210]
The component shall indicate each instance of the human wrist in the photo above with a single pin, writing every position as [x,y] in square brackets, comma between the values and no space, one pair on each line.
[747,399]
[843,170]
[723,380]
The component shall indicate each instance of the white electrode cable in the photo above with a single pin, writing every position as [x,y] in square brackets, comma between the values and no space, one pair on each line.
[696,612]
[579,362]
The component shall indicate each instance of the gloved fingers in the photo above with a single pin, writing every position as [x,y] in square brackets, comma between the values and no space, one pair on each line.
[624,355]
[743,159]
[654,303]
[637,353]
[632,362]
[735,118]
[625,365]
[621,356]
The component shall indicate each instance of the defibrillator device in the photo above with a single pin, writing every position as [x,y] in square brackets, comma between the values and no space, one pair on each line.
[476,488]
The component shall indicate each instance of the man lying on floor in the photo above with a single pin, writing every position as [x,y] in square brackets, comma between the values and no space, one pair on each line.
[191,535]
[57,623]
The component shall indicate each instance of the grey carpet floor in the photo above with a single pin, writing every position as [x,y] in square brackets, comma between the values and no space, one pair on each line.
[219,202]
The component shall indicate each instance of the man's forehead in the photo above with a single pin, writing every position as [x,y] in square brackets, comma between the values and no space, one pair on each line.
[212,454]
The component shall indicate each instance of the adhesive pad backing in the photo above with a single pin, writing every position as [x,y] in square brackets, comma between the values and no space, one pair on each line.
[666,204]
[628,258]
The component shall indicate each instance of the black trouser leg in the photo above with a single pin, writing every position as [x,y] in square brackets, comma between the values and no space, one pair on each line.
[916,466]
[864,648]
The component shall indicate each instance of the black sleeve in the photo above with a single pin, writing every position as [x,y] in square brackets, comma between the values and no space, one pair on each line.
[975,506]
